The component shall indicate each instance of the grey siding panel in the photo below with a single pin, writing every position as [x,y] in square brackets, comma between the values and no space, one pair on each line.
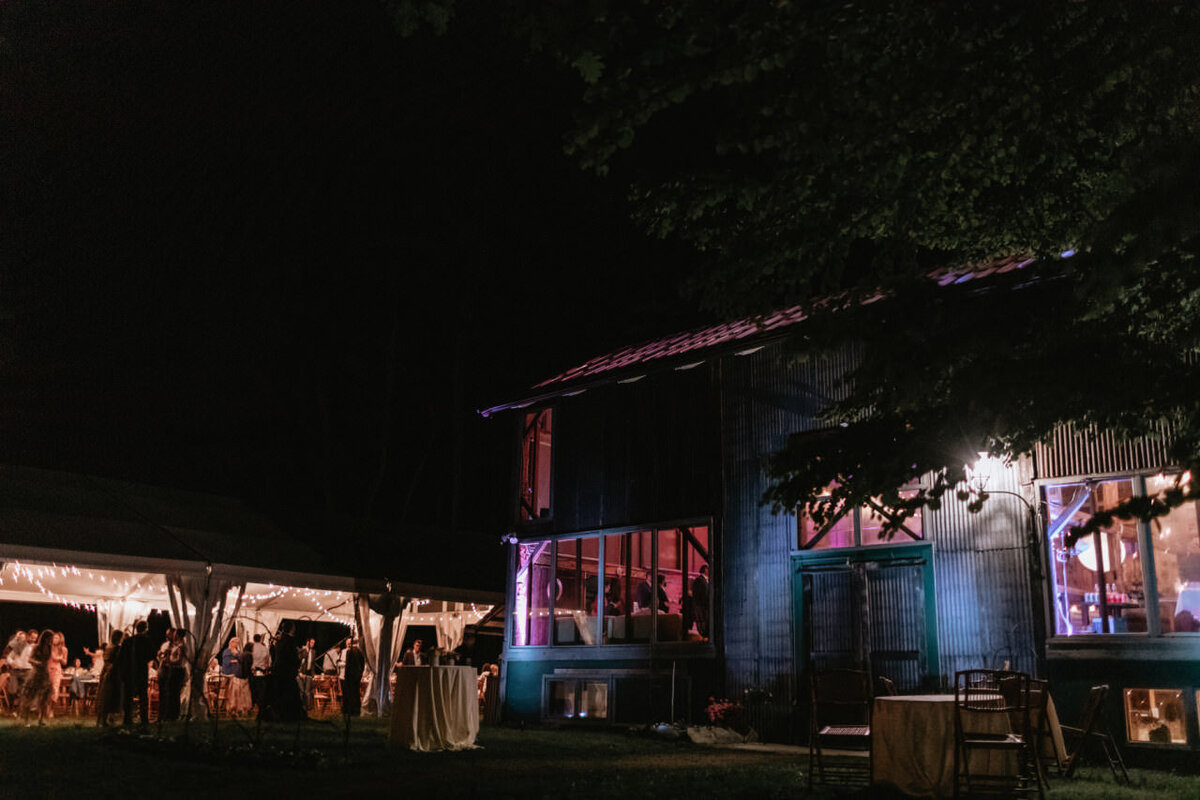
[982,578]
[1089,452]
[764,400]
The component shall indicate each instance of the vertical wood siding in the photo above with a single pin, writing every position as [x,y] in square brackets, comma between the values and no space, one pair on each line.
[637,453]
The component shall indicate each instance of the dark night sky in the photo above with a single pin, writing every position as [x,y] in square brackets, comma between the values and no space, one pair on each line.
[244,245]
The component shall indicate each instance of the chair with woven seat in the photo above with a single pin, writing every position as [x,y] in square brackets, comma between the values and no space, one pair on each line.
[841,717]
[1043,737]
[991,715]
[1093,727]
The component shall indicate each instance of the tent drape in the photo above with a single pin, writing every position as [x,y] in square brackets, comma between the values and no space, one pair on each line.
[450,627]
[204,606]
[117,615]
[381,621]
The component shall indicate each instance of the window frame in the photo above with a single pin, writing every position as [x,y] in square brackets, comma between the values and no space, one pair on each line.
[1146,558]
[653,642]
[521,521]
[856,512]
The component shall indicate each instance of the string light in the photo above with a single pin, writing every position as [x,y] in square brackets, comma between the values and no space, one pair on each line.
[323,600]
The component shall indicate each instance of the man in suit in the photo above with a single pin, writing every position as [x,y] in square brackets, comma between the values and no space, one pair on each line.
[352,682]
[700,601]
[133,664]
[414,656]
[310,664]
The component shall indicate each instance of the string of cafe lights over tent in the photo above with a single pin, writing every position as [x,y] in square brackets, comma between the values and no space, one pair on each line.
[20,571]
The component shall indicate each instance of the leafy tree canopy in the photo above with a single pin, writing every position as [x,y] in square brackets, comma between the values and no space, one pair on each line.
[833,149]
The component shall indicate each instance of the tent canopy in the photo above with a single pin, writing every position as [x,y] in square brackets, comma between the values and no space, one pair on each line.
[79,540]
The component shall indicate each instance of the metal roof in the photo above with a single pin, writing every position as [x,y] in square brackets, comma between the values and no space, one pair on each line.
[675,350]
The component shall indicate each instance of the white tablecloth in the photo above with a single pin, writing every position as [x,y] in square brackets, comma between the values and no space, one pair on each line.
[912,739]
[435,708]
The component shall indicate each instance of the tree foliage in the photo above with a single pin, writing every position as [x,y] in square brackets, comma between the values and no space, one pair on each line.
[833,149]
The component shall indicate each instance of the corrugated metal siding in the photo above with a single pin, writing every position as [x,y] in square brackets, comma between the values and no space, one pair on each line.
[1090,452]
[764,400]
[897,623]
[981,562]
[981,571]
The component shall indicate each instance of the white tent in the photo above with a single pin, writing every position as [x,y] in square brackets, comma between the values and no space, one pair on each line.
[121,550]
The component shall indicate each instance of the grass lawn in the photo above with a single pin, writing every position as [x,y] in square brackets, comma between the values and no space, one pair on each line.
[69,760]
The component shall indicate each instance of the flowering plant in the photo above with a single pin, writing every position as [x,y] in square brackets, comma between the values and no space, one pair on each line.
[727,714]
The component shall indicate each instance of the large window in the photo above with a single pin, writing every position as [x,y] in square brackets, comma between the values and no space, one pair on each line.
[535,465]
[627,587]
[859,527]
[1129,577]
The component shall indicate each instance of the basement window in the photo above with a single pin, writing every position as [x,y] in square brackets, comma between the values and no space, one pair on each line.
[1155,716]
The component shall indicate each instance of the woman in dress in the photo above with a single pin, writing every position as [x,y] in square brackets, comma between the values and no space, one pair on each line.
[237,688]
[108,693]
[58,660]
[35,693]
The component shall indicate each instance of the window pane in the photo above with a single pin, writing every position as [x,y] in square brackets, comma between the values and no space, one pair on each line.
[872,518]
[1155,716]
[571,698]
[669,590]
[1176,542]
[532,593]
[696,603]
[1103,565]
[575,591]
[627,575]
[839,534]
[535,465]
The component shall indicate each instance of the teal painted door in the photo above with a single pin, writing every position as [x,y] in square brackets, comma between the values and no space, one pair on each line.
[867,610]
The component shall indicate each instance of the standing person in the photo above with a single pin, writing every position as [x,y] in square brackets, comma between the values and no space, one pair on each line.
[309,666]
[334,663]
[700,601]
[414,656]
[97,657]
[108,693]
[172,675]
[133,669]
[352,682]
[283,692]
[663,604]
[58,662]
[237,690]
[35,693]
[260,665]
[19,651]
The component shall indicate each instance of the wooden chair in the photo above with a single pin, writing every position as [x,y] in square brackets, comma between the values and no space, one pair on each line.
[62,702]
[1092,726]
[841,716]
[214,692]
[991,714]
[322,692]
[1043,737]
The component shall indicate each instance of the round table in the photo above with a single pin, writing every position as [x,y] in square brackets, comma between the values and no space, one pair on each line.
[912,741]
[435,708]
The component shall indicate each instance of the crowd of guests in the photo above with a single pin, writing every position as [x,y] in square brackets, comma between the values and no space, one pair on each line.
[268,676]
[31,672]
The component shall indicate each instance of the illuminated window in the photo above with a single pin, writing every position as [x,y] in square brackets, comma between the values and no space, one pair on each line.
[631,587]
[1155,716]
[860,527]
[535,465]
[1129,577]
